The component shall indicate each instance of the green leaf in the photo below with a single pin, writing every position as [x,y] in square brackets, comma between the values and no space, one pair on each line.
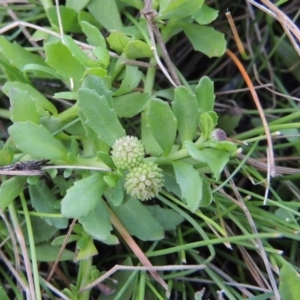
[77,5]
[3,294]
[205,39]
[37,141]
[101,86]
[207,196]
[11,72]
[18,56]
[10,189]
[170,180]
[118,41]
[205,15]
[57,53]
[118,193]
[205,95]
[99,116]
[93,34]
[22,107]
[97,143]
[149,142]
[186,112]
[178,8]
[40,99]
[288,56]
[106,159]
[138,4]
[103,57]
[216,159]
[68,18]
[83,196]
[43,200]
[129,105]
[208,122]
[87,17]
[76,51]
[131,80]
[106,13]
[137,49]
[49,253]
[86,248]
[97,221]
[41,230]
[190,184]
[138,221]
[289,286]
[162,123]
[167,218]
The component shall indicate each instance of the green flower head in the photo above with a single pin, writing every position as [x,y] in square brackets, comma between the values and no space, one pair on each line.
[127,152]
[144,181]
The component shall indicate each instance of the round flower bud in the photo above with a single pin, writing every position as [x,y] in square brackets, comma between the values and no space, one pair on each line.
[144,181]
[218,135]
[127,152]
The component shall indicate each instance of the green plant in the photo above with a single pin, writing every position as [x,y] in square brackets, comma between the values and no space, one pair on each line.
[113,136]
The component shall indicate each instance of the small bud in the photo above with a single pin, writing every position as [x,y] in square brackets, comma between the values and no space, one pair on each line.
[218,135]
[144,181]
[127,152]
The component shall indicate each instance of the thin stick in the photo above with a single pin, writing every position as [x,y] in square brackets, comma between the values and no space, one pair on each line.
[136,249]
[140,268]
[283,19]
[259,108]
[236,35]
[62,248]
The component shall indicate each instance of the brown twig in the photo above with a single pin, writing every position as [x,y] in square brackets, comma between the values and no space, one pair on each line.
[153,29]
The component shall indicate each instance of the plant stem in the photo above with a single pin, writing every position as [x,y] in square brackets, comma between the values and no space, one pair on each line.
[83,277]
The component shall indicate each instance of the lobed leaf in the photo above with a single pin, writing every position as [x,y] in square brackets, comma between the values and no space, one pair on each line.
[205,39]
[99,116]
[130,81]
[205,15]
[129,105]
[118,41]
[18,56]
[22,107]
[185,109]
[178,8]
[190,184]
[149,142]
[43,200]
[205,94]
[93,34]
[10,189]
[167,218]
[57,53]
[162,123]
[137,49]
[37,141]
[289,286]
[35,95]
[83,196]
[208,122]
[68,18]
[106,13]
[138,220]
[97,222]
[216,159]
